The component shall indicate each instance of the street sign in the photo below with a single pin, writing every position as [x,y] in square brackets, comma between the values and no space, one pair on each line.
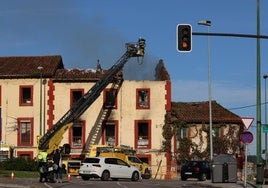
[247,122]
[246,137]
[265,128]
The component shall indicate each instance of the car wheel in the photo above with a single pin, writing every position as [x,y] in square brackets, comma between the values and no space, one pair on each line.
[85,178]
[105,175]
[135,176]
[115,179]
[203,177]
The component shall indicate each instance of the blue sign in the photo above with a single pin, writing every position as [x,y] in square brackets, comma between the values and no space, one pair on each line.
[246,137]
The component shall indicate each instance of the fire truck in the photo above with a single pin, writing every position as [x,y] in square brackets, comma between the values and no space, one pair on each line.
[6,152]
[51,140]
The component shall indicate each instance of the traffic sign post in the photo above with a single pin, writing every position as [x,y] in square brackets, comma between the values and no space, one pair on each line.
[246,137]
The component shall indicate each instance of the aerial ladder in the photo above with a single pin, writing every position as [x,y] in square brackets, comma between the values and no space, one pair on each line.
[53,137]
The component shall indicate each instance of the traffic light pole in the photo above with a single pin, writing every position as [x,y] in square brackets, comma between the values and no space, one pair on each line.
[258,110]
[231,35]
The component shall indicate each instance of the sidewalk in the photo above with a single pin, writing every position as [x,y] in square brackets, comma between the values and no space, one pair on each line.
[27,183]
[21,183]
[238,184]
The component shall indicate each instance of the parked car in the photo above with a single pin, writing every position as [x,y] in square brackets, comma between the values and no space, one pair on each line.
[196,169]
[107,168]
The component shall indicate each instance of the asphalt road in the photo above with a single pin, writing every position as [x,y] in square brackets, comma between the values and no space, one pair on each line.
[79,183]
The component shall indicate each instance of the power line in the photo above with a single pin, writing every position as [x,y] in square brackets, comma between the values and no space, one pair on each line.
[248,106]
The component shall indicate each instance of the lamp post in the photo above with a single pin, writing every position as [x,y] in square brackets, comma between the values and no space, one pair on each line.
[40,68]
[265,117]
[44,81]
[208,24]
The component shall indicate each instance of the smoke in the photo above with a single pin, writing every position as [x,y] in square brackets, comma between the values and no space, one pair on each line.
[61,29]
[140,69]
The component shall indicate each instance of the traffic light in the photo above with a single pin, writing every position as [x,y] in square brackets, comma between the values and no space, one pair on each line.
[184,37]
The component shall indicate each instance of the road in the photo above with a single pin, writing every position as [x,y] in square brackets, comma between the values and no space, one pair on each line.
[7,182]
[79,183]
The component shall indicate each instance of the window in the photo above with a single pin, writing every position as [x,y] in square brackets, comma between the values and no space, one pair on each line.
[25,131]
[143,99]
[26,95]
[27,155]
[143,134]
[110,131]
[121,162]
[77,135]
[216,131]
[110,100]
[76,94]
[181,134]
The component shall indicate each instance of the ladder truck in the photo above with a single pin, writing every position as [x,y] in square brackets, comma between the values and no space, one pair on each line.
[52,138]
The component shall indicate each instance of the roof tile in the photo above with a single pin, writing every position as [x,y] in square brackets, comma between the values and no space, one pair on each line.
[27,66]
[198,112]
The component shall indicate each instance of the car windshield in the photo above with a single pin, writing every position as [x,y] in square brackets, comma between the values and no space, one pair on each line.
[92,160]
[195,163]
[191,163]
[134,159]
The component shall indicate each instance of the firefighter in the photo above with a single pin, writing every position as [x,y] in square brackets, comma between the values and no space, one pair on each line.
[57,159]
[42,165]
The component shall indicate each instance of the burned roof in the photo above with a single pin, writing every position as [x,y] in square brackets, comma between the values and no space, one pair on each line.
[64,75]
[198,112]
[29,66]
[161,72]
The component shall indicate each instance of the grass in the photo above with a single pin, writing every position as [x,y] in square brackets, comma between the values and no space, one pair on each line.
[19,174]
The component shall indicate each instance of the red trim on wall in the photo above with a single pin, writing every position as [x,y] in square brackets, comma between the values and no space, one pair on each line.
[168,95]
[103,138]
[21,103]
[168,165]
[50,103]
[0,95]
[136,133]
[137,98]
[71,95]
[104,98]
[30,153]
[32,131]
[83,123]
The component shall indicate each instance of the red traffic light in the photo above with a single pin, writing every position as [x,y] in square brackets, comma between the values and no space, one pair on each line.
[184,37]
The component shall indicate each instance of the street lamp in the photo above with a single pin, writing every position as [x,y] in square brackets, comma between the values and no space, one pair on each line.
[40,68]
[265,116]
[208,24]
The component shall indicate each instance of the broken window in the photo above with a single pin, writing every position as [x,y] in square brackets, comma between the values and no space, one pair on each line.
[143,100]
[110,98]
[143,134]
